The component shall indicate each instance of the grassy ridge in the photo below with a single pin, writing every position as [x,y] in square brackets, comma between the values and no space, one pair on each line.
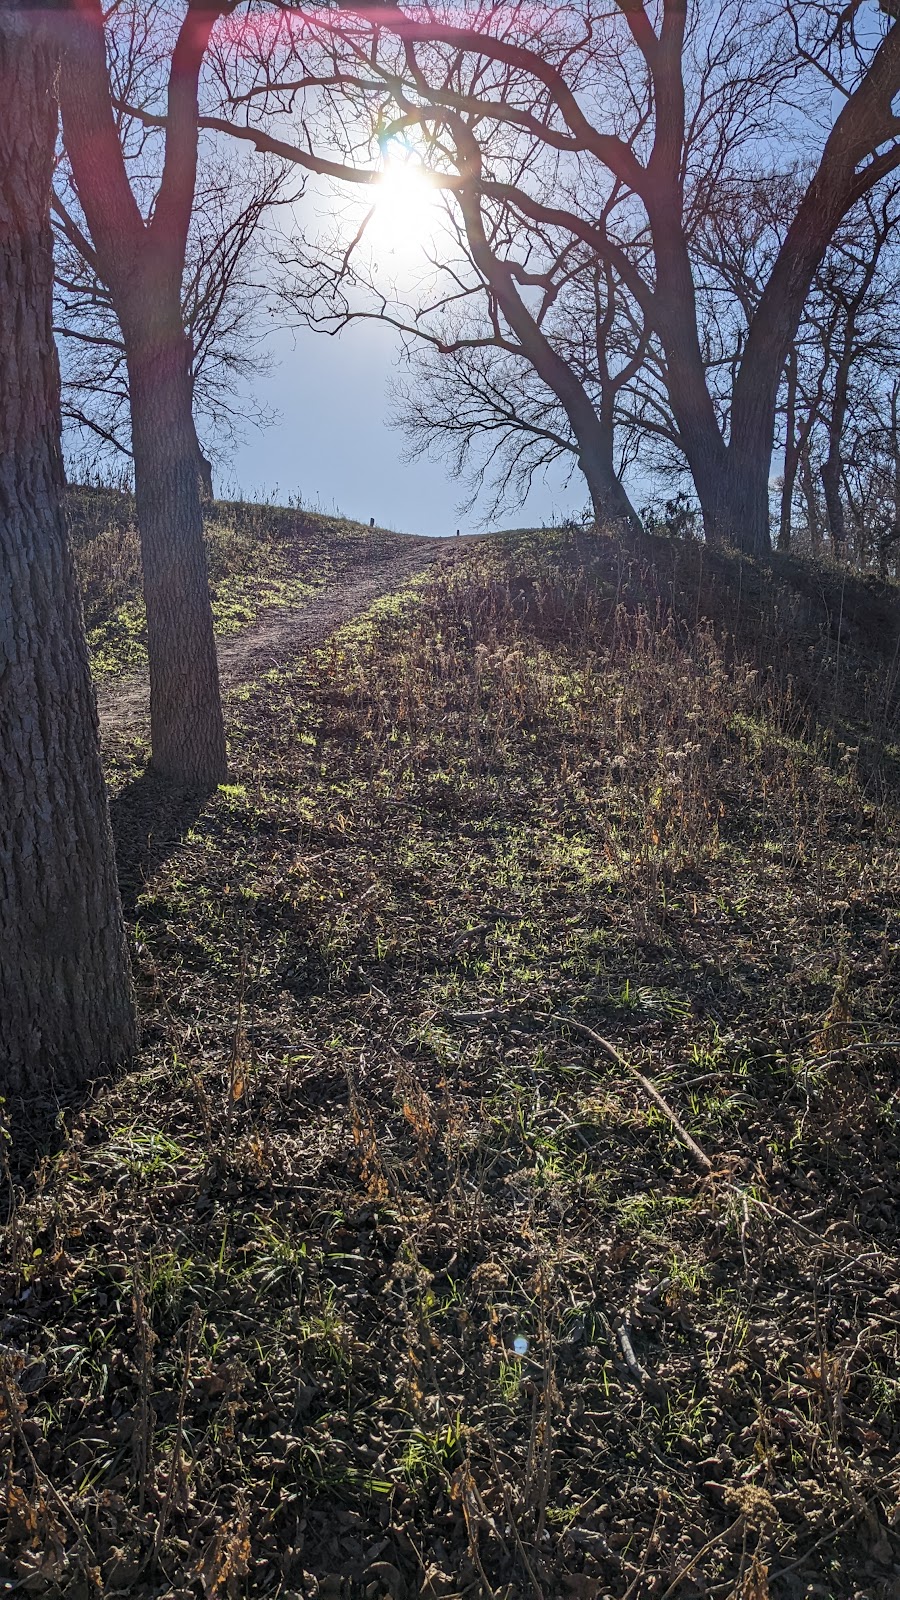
[259,556]
[374,1273]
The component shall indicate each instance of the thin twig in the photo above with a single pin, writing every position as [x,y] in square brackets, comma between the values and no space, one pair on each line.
[851,1049]
[832,1533]
[494,1014]
[649,1088]
[501,1013]
[710,1545]
[175,1471]
[40,1475]
[817,1239]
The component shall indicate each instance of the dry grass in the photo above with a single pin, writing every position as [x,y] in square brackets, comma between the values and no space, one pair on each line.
[348,1289]
[258,556]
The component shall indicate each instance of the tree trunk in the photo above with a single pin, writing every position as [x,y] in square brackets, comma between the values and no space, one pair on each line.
[142,265]
[186,727]
[204,475]
[725,485]
[791,455]
[204,465]
[808,485]
[834,505]
[833,465]
[740,514]
[66,1006]
[612,507]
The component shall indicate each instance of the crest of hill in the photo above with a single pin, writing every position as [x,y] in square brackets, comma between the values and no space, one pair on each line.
[259,556]
[824,638]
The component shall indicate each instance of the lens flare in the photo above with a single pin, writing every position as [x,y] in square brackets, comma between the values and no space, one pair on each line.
[405,210]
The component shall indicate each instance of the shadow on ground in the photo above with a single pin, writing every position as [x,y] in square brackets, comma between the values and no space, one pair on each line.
[150,818]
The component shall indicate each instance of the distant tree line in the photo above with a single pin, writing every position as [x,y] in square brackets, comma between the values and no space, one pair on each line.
[667,229]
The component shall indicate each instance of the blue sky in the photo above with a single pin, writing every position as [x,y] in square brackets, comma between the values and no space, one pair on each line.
[331,443]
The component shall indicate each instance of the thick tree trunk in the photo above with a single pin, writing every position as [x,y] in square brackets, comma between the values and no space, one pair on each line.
[66,1006]
[186,728]
[834,505]
[731,480]
[734,492]
[744,499]
[613,511]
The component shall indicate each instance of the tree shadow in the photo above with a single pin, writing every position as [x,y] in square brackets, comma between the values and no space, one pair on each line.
[150,818]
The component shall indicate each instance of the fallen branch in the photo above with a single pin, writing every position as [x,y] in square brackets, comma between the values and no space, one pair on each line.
[851,1049]
[631,1361]
[494,1014]
[649,1088]
[501,1013]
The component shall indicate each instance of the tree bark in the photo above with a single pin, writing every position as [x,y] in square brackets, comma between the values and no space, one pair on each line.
[831,486]
[66,1005]
[791,455]
[611,506]
[187,734]
[808,485]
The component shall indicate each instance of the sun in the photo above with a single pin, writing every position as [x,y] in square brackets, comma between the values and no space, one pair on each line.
[405,211]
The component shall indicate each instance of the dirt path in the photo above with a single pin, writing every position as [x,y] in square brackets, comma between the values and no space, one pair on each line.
[124,703]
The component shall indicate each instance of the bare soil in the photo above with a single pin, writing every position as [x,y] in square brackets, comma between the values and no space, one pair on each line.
[280,631]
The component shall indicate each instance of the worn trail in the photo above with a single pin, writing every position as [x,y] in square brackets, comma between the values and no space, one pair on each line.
[280,631]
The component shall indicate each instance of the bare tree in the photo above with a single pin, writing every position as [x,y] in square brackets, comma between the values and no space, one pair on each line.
[652,104]
[222,301]
[517,363]
[477,399]
[856,342]
[66,1006]
[139,256]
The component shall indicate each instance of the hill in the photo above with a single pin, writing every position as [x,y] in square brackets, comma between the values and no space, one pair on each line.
[505,1200]
[259,556]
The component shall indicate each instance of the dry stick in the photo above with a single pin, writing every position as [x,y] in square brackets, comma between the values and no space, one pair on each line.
[471,1488]
[649,1088]
[710,1545]
[817,1239]
[176,1468]
[851,1049]
[631,1360]
[511,1514]
[142,1445]
[498,1013]
[40,1475]
[493,1014]
[647,1551]
[832,1533]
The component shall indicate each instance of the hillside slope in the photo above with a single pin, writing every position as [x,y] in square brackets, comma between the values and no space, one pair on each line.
[505,1202]
[260,557]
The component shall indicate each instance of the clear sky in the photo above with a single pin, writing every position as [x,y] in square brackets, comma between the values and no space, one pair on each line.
[331,443]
